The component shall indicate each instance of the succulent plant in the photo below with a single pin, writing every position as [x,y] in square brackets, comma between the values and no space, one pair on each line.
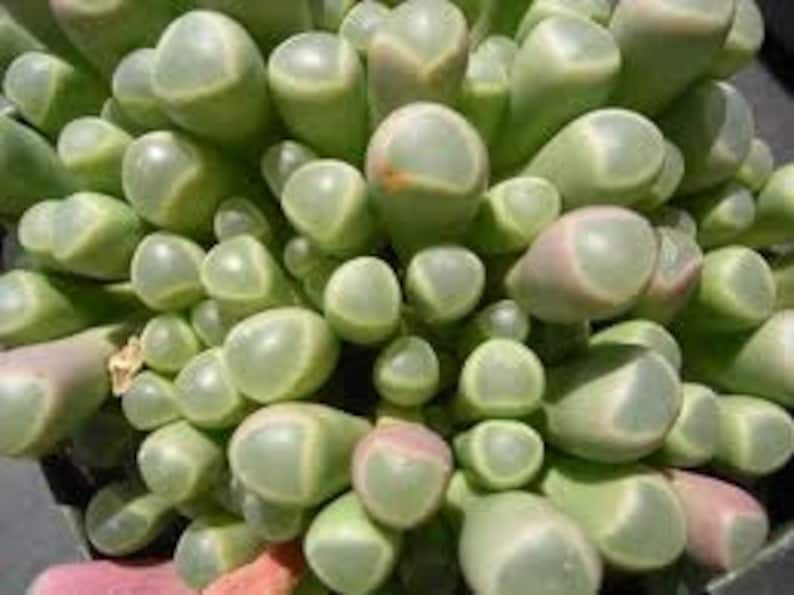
[722,214]
[400,474]
[693,439]
[758,167]
[134,93]
[309,446]
[150,402]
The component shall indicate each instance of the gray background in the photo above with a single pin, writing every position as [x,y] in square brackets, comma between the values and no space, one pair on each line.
[33,534]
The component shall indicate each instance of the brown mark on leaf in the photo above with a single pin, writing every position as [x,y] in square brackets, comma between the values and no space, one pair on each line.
[392,179]
[124,365]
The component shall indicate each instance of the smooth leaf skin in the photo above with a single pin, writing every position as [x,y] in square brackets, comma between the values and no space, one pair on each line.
[418,55]
[176,183]
[775,211]
[513,214]
[361,23]
[758,167]
[444,283]
[783,271]
[630,513]
[23,150]
[667,183]
[123,518]
[210,323]
[313,285]
[49,92]
[642,333]
[132,89]
[7,109]
[95,235]
[572,58]
[667,217]
[713,126]
[675,40]
[518,544]
[168,343]
[407,372]
[179,462]
[756,437]
[743,42]
[327,201]
[362,301]
[205,395]
[308,449]
[92,151]
[615,404]
[34,235]
[113,113]
[241,216]
[722,214]
[281,354]
[423,200]
[280,161]
[165,272]
[597,11]
[693,440]
[675,277]
[555,343]
[104,442]
[107,31]
[501,320]
[349,552]
[150,402]
[212,546]
[36,308]
[47,391]
[269,23]
[756,362]
[318,87]
[15,40]
[329,14]
[500,455]
[591,264]
[500,379]
[243,277]
[607,156]
[271,522]
[205,62]
[301,257]
[727,527]
[485,91]
[736,293]
[429,562]
[400,473]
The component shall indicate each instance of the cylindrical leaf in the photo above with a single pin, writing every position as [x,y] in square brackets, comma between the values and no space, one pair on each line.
[362,301]
[407,372]
[308,448]
[241,216]
[205,395]
[271,522]
[400,474]
[757,168]
[500,379]
[643,333]
[597,11]
[774,215]
[150,402]
[692,441]
[210,324]
[423,200]
[361,23]
[668,181]
[281,354]
[165,272]
[419,54]
[205,63]
[179,462]
[123,518]
[722,214]
[280,161]
[168,343]
[501,320]
[615,404]
[327,201]
[608,156]
[518,544]
[500,454]
[743,42]
[591,264]
[630,513]
[318,87]
[347,551]
[132,89]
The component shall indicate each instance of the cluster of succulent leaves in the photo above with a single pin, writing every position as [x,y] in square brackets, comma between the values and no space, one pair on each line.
[449,290]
